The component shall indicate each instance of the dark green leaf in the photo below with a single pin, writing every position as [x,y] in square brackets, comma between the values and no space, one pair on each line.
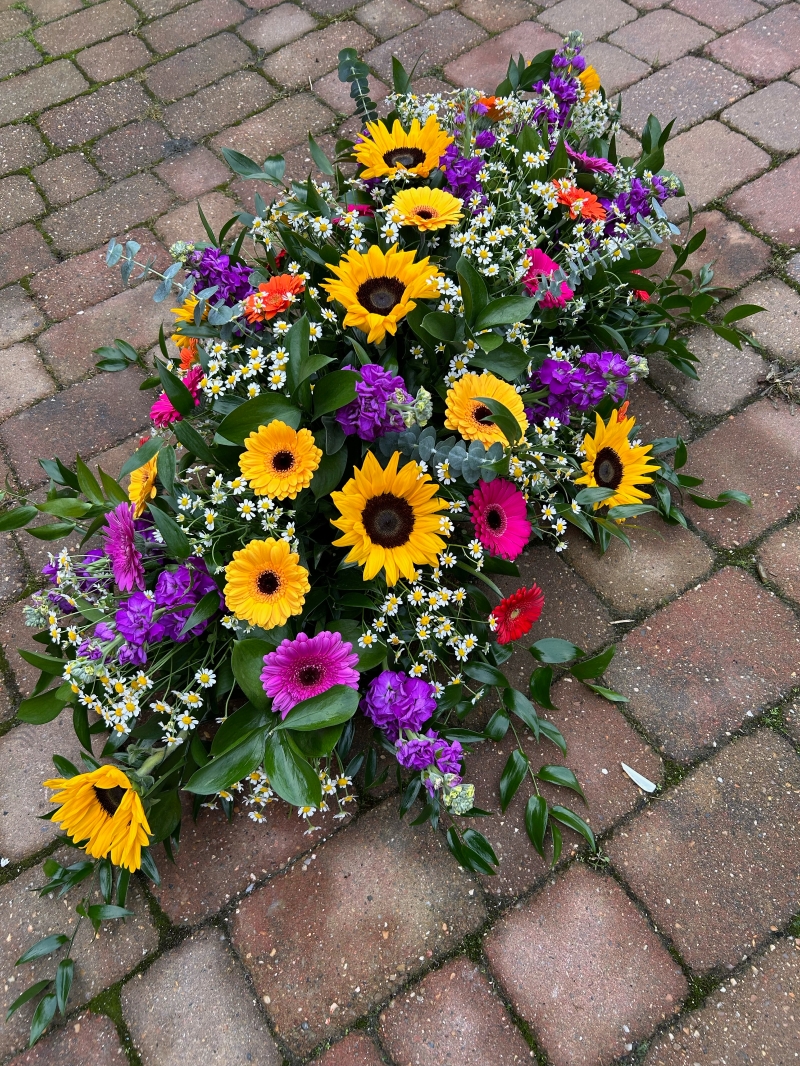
[166,469]
[503,419]
[512,776]
[47,663]
[504,312]
[227,769]
[536,822]
[27,995]
[242,164]
[66,507]
[557,842]
[485,674]
[43,947]
[177,542]
[192,442]
[554,650]
[742,311]
[141,456]
[260,411]
[179,396]
[207,606]
[149,868]
[607,693]
[561,776]
[164,816]
[42,1017]
[65,767]
[88,482]
[473,289]
[497,726]
[237,726]
[506,360]
[318,744]
[114,491]
[247,661]
[290,775]
[41,709]
[64,974]
[575,822]
[321,161]
[329,473]
[334,391]
[52,531]
[522,708]
[17,518]
[103,912]
[440,325]
[553,735]
[539,687]
[594,667]
[333,707]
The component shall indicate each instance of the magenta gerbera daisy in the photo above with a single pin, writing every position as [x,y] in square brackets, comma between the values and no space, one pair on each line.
[118,543]
[306,666]
[500,517]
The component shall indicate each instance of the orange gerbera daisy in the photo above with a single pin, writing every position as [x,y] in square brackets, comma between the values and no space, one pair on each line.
[494,109]
[273,297]
[580,202]
[189,353]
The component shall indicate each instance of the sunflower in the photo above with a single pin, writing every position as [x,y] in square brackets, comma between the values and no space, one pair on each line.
[379,288]
[103,809]
[390,520]
[427,208]
[383,154]
[142,486]
[611,462]
[265,585]
[185,313]
[466,411]
[279,461]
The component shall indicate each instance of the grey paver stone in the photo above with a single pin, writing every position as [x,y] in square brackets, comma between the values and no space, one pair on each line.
[661,37]
[19,201]
[771,203]
[485,67]
[595,18]
[25,380]
[277,27]
[440,38]
[39,88]
[769,116]
[89,1038]
[780,557]
[727,375]
[20,146]
[777,327]
[617,69]
[19,316]
[318,52]
[86,27]
[688,90]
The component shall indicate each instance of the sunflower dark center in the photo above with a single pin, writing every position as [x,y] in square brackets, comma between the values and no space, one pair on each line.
[480,413]
[495,518]
[388,520]
[379,295]
[404,157]
[310,674]
[109,798]
[608,469]
[268,582]
[282,461]
[426,212]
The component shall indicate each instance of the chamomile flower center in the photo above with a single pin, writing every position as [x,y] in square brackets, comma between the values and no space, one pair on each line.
[380,295]
[608,469]
[388,520]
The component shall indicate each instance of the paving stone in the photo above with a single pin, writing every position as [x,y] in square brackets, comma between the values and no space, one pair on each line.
[617,69]
[299,165]
[185,224]
[655,416]
[67,178]
[78,283]
[386,18]
[277,27]
[597,737]
[25,380]
[20,146]
[711,160]
[791,718]
[196,67]
[86,27]
[20,201]
[771,203]
[155,8]
[727,375]
[193,173]
[86,118]
[700,667]
[47,10]
[94,219]
[317,52]
[193,23]
[595,18]
[355,1050]
[132,314]
[201,978]
[111,59]
[336,94]
[485,66]
[15,634]
[17,55]
[720,15]
[498,15]
[736,255]
[377,896]
[436,41]
[688,91]
[22,251]
[661,37]
[286,123]
[12,23]
[769,116]
[584,969]
[39,88]
[12,571]
[86,418]
[778,326]
[765,49]
[780,557]
[221,104]
[435,6]
[661,561]
[19,316]
[756,1016]
[132,148]
[89,1038]
[452,1015]
[713,861]
[98,962]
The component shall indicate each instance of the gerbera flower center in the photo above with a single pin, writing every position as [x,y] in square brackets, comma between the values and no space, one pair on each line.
[282,461]
[406,157]
[480,412]
[109,798]
[310,674]
[426,212]
[379,295]
[268,582]
[388,520]
[495,519]
[608,469]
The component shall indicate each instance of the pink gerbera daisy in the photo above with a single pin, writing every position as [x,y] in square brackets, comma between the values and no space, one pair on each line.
[306,666]
[542,266]
[500,517]
[162,413]
[119,546]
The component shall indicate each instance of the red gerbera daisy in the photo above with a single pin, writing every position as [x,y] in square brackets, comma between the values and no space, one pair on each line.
[515,615]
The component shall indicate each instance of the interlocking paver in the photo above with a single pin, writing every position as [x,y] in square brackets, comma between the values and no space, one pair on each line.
[193,23]
[727,375]
[617,69]
[87,26]
[89,1038]
[386,18]
[15,634]
[19,316]
[661,37]
[688,91]
[200,979]
[452,1015]
[67,178]
[549,953]
[25,381]
[655,416]
[771,203]
[720,15]
[72,286]
[192,173]
[131,148]
[355,1050]
[12,23]
[89,116]
[219,105]
[780,557]
[184,223]
[485,66]
[735,254]
[98,962]
[12,573]
[595,18]
[714,860]
[20,146]
[111,59]
[17,55]
[699,668]
[769,116]
[778,326]
[377,896]
[279,127]
[765,49]
[20,201]
[440,38]
[47,10]
[711,160]
[497,15]
[754,1016]
[22,251]
[39,88]
[318,52]
[277,27]
[336,94]
[198,66]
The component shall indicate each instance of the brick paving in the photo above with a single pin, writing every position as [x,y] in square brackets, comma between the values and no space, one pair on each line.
[368,945]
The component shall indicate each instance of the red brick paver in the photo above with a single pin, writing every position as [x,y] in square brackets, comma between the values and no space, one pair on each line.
[355,1050]
[90,1038]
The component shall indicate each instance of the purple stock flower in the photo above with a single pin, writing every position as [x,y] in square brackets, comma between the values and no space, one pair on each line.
[104,632]
[485,139]
[430,750]
[461,175]
[598,374]
[134,620]
[368,415]
[212,267]
[394,701]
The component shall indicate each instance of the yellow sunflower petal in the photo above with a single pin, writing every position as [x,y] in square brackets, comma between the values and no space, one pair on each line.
[383,153]
[613,463]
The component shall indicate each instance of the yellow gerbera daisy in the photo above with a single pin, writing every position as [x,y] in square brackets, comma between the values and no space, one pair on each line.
[389,519]
[279,461]
[103,809]
[590,80]
[383,154]
[265,584]
[611,462]
[142,486]
[465,408]
[185,313]
[379,288]
[427,208]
